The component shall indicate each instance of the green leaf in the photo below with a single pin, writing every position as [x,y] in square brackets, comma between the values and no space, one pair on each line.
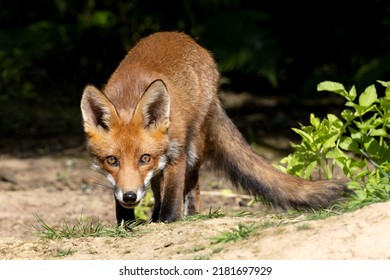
[330,142]
[348,144]
[336,153]
[352,93]
[378,132]
[348,115]
[332,118]
[332,87]
[310,169]
[383,83]
[334,122]
[304,135]
[315,121]
[360,194]
[368,97]
[351,104]
[355,134]
[371,145]
[385,103]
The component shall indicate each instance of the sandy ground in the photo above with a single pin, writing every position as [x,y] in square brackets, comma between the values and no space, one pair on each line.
[63,188]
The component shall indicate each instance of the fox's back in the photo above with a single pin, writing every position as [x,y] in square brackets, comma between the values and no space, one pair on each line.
[188,70]
[176,55]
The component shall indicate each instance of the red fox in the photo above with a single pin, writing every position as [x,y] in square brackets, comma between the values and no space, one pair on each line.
[159,118]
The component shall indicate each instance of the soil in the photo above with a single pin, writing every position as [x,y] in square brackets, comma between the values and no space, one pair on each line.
[62,187]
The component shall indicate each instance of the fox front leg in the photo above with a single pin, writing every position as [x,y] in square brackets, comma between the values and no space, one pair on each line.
[123,215]
[172,190]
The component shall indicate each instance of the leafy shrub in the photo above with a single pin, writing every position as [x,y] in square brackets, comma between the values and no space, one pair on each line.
[357,143]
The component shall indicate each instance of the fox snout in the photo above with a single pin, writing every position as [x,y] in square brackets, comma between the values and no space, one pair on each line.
[129,199]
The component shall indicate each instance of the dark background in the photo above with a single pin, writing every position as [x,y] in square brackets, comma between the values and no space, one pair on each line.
[50,49]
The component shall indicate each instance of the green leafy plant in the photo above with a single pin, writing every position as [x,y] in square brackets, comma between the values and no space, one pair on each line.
[64,252]
[83,227]
[143,211]
[239,233]
[212,214]
[356,142]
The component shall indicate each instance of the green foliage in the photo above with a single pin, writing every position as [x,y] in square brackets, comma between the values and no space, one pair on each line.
[64,252]
[143,211]
[239,233]
[357,143]
[81,228]
[211,215]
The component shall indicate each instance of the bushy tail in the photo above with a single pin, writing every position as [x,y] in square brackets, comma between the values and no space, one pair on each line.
[230,154]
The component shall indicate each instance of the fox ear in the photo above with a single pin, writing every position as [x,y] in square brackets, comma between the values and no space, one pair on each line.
[153,109]
[97,110]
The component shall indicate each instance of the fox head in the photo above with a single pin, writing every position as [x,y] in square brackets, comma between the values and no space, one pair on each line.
[130,150]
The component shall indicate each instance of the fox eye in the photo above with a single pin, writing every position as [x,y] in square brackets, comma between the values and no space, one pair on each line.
[144,159]
[111,160]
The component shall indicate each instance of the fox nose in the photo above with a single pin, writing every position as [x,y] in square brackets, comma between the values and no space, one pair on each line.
[130,197]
